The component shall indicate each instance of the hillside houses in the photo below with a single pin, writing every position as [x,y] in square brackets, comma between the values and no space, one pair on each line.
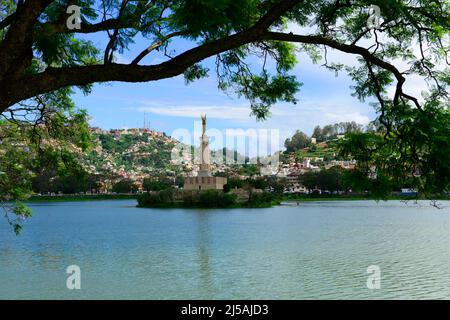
[137,153]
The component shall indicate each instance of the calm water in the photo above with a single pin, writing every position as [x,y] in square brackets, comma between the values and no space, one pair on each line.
[315,250]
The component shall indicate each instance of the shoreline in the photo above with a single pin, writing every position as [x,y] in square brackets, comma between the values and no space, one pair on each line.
[64,198]
[81,197]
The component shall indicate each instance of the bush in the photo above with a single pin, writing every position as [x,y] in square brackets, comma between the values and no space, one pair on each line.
[264,199]
[149,200]
[227,200]
[166,196]
[123,186]
[189,199]
[162,198]
[226,188]
[215,199]
[152,184]
[209,198]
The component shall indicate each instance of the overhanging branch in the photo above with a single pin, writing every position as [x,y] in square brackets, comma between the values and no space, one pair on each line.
[55,78]
[347,48]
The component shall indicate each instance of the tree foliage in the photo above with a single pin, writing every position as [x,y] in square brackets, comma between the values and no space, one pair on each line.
[124,186]
[157,184]
[331,131]
[298,141]
[36,148]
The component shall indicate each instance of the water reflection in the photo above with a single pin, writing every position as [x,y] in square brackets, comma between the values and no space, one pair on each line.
[203,245]
[315,250]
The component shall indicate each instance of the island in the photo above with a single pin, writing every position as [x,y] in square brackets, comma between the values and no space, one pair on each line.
[206,190]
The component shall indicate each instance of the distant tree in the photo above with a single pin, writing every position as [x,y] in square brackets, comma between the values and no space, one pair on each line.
[328,131]
[233,183]
[60,171]
[309,180]
[259,183]
[317,133]
[261,199]
[298,141]
[330,180]
[276,184]
[352,127]
[157,183]
[370,128]
[123,186]
[374,127]
[149,200]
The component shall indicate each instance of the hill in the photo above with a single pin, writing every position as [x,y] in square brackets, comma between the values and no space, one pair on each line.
[132,153]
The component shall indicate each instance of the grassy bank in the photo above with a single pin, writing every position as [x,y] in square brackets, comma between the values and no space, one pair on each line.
[255,204]
[81,197]
[312,198]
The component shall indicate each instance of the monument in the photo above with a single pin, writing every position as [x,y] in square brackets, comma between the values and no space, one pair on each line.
[204,180]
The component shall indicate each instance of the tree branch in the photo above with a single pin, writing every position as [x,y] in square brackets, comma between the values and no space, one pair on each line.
[16,48]
[108,24]
[156,45]
[7,21]
[55,78]
[347,48]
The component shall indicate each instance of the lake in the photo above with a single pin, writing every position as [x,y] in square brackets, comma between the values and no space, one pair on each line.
[311,251]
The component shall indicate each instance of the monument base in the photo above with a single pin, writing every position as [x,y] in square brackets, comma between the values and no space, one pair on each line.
[204,183]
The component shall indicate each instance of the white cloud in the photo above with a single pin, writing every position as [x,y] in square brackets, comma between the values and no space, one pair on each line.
[191,111]
[309,113]
[229,112]
[285,117]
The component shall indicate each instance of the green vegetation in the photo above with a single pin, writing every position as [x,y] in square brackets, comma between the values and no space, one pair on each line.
[157,183]
[160,199]
[332,131]
[272,183]
[216,199]
[355,197]
[203,199]
[131,151]
[298,141]
[42,61]
[26,162]
[81,197]
[124,186]
[331,180]
[327,152]
[327,140]
[416,154]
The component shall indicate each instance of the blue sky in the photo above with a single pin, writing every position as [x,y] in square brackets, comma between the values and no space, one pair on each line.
[170,104]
